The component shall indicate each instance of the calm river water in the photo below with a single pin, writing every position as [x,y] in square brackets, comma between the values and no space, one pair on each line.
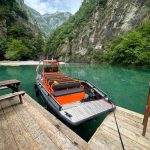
[126,86]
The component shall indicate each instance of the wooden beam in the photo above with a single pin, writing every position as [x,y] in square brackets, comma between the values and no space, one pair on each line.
[11,95]
[146,114]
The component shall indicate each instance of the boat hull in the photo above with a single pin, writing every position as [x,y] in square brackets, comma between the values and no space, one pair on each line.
[84,110]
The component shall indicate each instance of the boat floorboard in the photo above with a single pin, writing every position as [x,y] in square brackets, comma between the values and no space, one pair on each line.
[83,110]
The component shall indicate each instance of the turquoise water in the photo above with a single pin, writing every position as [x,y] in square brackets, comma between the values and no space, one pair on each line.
[126,86]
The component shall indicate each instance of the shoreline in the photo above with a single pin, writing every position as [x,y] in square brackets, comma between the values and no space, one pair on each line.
[21,63]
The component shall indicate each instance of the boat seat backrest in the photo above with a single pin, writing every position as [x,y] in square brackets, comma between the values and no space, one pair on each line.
[67,92]
[66,85]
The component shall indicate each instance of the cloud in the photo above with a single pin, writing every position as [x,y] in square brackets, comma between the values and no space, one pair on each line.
[51,6]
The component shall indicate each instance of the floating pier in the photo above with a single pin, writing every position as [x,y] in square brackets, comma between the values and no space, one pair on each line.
[30,126]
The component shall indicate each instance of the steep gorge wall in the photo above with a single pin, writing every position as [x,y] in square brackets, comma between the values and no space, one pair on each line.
[118,17]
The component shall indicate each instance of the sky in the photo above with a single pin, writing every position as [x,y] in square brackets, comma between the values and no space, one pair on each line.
[52,6]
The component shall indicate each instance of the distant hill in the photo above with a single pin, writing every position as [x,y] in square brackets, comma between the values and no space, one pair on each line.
[47,22]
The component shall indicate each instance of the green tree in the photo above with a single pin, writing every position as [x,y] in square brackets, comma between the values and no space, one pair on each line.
[17,50]
[38,43]
[3,47]
[19,30]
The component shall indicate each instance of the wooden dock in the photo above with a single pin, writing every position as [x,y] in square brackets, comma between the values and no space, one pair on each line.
[29,126]
[130,125]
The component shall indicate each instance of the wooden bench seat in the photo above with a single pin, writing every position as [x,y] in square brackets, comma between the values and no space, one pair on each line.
[3,87]
[11,95]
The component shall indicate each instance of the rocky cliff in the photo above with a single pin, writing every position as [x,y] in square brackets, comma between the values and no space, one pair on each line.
[105,19]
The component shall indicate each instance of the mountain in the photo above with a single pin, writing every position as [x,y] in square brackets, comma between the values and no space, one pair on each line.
[87,35]
[47,22]
[19,38]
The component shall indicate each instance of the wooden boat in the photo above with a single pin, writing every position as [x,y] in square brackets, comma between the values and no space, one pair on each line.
[73,100]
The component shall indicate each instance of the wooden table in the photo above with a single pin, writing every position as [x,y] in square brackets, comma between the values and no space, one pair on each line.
[12,84]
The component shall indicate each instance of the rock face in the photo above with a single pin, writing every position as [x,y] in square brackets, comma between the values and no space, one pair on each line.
[47,22]
[117,17]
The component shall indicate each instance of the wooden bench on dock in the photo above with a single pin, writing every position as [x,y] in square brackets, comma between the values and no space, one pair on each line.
[11,95]
[14,86]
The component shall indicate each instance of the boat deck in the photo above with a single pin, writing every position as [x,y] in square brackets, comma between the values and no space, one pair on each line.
[83,110]
[130,125]
[29,126]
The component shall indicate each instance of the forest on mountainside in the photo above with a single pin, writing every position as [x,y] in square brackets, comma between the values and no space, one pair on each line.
[19,39]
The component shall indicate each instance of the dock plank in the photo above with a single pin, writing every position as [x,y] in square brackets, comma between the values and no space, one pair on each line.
[125,127]
[73,137]
[46,123]
[48,127]
[36,132]
[107,143]
[127,141]
[22,138]
[30,126]
[130,126]
[6,138]
[134,116]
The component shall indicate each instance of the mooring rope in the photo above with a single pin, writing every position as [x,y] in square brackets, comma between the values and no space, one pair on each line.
[117,126]
[118,131]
